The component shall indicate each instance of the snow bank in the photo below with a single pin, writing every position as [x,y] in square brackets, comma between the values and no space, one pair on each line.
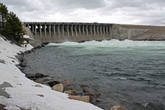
[24,93]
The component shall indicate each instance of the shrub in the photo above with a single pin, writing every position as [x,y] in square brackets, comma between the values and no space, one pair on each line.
[12,29]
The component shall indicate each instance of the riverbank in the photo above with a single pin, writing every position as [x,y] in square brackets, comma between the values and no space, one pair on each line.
[18,92]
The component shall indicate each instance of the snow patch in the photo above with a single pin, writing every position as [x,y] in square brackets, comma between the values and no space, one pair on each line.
[24,93]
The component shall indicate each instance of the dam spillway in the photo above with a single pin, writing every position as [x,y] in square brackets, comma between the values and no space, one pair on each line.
[75,32]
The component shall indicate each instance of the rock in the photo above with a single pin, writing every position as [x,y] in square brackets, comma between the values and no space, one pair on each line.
[2,107]
[67,83]
[44,80]
[40,75]
[98,100]
[58,87]
[80,98]
[2,61]
[31,76]
[41,95]
[85,88]
[154,106]
[118,107]
[22,65]
[70,92]
[82,86]
[37,85]
[52,83]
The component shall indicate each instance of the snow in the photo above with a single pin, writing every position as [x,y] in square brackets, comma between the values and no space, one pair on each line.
[24,93]
[27,37]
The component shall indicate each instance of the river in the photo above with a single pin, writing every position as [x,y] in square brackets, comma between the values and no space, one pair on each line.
[130,73]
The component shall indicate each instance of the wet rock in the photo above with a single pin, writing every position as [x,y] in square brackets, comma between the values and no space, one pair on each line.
[67,83]
[58,87]
[40,75]
[2,107]
[52,83]
[22,65]
[80,98]
[41,95]
[70,92]
[37,85]
[36,76]
[98,100]
[118,107]
[153,106]
[85,88]
[43,80]
[2,61]
[31,76]
[2,90]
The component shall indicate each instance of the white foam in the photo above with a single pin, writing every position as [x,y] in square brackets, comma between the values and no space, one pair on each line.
[113,43]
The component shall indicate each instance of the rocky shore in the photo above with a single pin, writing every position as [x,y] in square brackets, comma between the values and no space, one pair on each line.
[83,94]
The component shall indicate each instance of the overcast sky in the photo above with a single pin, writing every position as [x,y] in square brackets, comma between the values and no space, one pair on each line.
[150,12]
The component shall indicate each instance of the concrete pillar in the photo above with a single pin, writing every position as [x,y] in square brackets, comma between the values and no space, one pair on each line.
[71,30]
[98,32]
[87,30]
[106,32]
[40,32]
[34,29]
[72,33]
[68,31]
[83,32]
[94,26]
[63,32]
[54,33]
[79,29]
[91,30]
[101,31]
[45,31]
[59,32]
[75,28]
[50,31]
[110,30]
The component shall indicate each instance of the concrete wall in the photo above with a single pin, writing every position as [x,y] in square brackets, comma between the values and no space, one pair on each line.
[44,32]
[76,32]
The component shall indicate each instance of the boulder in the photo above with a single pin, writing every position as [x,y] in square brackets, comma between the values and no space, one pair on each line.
[52,83]
[85,88]
[67,83]
[154,106]
[2,107]
[118,107]
[40,75]
[58,87]
[31,76]
[41,95]
[80,98]
[2,61]
[38,85]
[70,92]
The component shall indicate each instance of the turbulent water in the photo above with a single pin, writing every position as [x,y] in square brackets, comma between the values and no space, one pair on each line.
[130,73]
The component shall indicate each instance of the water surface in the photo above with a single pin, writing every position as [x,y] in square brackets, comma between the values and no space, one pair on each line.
[124,72]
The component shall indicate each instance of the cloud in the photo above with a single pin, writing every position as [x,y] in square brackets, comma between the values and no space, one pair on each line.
[149,12]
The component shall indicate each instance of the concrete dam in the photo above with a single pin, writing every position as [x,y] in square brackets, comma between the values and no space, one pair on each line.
[56,32]
[75,32]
